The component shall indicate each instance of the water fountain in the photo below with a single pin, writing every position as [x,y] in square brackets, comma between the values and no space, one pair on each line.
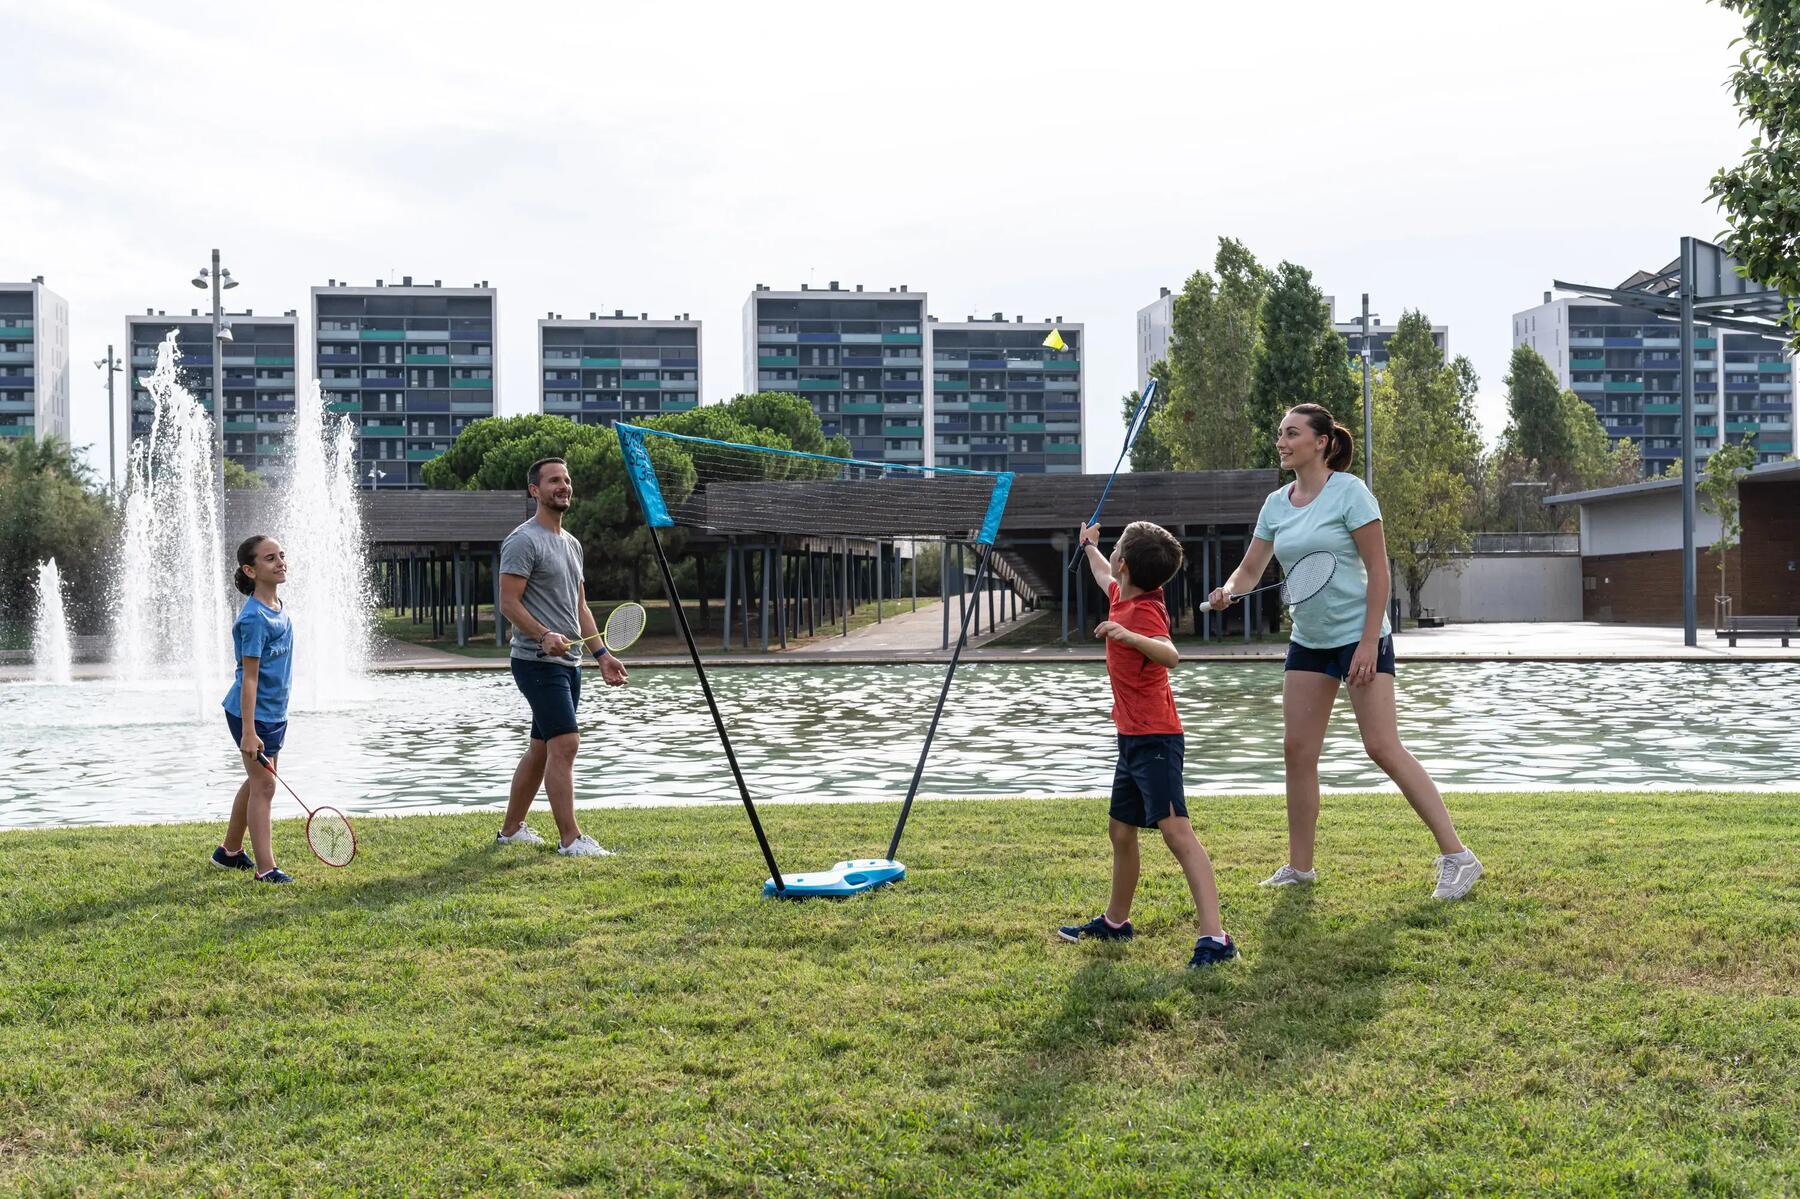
[169,606]
[51,660]
[319,523]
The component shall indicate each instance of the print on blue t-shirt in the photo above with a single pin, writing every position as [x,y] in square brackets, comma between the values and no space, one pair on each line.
[1335,616]
[263,633]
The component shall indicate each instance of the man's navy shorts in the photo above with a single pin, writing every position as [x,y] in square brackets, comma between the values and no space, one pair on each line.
[273,735]
[1147,781]
[1336,662]
[552,689]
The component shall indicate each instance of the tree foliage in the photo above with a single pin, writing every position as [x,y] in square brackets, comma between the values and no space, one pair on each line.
[1426,450]
[239,477]
[1554,437]
[1205,420]
[1148,452]
[1717,491]
[1300,359]
[1759,195]
[51,506]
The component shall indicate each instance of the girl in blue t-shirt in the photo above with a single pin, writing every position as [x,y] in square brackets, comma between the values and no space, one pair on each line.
[1340,634]
[262,641]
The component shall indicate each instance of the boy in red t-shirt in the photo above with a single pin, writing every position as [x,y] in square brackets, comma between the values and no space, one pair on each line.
[1147,788]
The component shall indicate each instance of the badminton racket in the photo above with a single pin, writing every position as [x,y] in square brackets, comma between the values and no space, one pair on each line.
[624,625]
[1309,577]
[1140,416]
[328,831]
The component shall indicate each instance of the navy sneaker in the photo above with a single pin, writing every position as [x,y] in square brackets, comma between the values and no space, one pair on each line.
[1096,929]
[275,875]
[1210,951]
[232,861]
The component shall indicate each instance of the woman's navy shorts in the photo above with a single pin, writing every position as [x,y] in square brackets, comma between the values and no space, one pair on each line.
[1336,662]
[273,735]
[552,689]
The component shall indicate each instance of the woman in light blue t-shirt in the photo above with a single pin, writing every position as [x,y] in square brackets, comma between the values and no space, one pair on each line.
[1339,634]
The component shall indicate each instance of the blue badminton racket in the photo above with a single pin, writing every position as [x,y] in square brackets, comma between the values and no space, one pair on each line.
[1140,416]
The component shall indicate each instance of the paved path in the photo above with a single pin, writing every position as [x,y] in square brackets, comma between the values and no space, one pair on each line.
[909,633]
[915,637]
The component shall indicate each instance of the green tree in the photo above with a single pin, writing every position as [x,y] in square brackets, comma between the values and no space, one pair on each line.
[1148,452]
[238,477]
[1427,449]
[1717,490]
[52,506]
[1300,359]
[1759,196]
[1537,429]
[1205,420]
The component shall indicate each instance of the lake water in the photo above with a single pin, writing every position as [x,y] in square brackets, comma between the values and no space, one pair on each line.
[102,753]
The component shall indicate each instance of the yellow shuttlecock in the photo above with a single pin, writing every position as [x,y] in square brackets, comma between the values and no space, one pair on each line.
[1055,341]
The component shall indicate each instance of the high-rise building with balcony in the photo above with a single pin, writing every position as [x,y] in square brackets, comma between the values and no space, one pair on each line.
[1002,399]
[258,372]
[858,357]
[34,361]
[1155,330]
[609,368]
[1628,364]
[413,363]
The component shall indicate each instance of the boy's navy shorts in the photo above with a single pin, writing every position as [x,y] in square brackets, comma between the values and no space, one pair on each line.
[273,735]
[552,689]
[1147,781]
[1336,662]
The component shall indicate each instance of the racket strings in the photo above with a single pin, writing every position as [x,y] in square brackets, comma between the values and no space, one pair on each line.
[624,626]
[1309,576]
[328,832]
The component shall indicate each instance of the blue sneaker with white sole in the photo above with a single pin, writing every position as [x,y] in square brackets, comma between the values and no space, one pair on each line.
[1096,929]
[275,875]
[1210,951]
[232,861]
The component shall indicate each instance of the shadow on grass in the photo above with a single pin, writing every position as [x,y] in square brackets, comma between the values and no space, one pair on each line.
[1307,989]
[477,865]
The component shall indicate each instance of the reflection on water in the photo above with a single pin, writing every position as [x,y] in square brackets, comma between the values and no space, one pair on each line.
[103,752]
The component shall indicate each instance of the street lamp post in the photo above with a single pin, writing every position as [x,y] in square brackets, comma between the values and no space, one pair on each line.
[219,279]
[1368,420]
[375,476]
[112,366]
[1521,488]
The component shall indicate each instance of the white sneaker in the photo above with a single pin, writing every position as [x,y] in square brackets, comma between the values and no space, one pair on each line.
[524,836]
[1456,873]
[584,846]
[1287,876]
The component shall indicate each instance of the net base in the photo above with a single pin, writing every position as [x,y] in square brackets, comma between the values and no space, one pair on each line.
[841,881]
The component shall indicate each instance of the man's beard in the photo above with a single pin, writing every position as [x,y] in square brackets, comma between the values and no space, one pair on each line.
[560,505]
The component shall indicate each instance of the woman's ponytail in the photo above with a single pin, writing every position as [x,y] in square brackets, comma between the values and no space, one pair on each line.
[1340,449]
[1339,445]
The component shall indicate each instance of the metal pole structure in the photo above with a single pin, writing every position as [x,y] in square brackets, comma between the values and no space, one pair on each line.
[687,635]
[1689,583]
[112,366]
[218,380]
[962,639]
[1368,419]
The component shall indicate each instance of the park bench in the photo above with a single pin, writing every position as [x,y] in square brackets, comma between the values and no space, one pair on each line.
[1783,627]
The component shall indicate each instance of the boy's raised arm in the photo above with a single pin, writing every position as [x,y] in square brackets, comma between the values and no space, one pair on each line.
[1090,542]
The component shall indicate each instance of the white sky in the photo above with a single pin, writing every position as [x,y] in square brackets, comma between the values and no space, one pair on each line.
[1036,158]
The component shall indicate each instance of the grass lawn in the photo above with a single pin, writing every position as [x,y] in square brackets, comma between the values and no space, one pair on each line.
[660,634]
[1612,1012]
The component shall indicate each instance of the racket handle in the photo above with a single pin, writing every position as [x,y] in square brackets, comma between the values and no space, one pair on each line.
[263,761]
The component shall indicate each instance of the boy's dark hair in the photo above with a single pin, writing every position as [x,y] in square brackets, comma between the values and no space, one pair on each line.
[537,468]
[1151,553]
[246,556]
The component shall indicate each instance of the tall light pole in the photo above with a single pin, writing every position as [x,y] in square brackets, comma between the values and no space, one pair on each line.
[375,476]
[219,279]
[1520,488]
[112,366]
[1368,421]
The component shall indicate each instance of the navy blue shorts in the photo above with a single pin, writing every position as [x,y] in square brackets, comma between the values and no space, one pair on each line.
[1147,781]
[552,689]
[273,735]
[1336,662]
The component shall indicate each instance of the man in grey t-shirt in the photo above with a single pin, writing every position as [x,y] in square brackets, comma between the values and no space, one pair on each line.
[543,594]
